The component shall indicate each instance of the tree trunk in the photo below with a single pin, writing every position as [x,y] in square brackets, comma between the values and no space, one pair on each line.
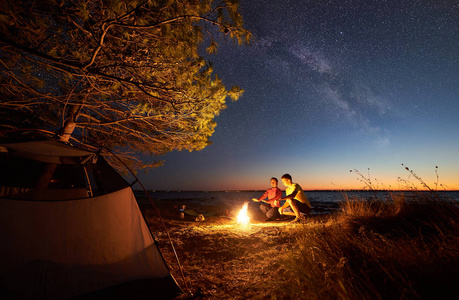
[70,123]
[66,132]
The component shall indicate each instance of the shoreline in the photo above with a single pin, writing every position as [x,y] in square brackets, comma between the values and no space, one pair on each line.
[306,191]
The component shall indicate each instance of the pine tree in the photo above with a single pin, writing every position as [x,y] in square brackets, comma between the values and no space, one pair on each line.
[124,74]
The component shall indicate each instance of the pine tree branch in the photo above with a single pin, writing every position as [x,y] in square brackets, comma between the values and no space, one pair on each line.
[172,20]
[123,120]
[62,62]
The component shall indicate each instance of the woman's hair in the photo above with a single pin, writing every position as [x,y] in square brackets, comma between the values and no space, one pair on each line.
[287,176]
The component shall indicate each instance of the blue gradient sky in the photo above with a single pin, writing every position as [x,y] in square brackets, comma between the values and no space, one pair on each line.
[332,86]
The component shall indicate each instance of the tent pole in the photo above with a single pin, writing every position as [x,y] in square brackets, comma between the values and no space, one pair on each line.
[87,181]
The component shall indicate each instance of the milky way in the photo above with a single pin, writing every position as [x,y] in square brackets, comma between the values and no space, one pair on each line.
[332,86]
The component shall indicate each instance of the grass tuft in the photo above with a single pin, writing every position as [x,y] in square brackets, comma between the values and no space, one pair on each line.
[396,248]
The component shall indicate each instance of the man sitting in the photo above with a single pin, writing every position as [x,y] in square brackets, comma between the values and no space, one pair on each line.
[296,203]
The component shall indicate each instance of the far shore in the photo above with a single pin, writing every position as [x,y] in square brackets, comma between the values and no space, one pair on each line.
[312,190]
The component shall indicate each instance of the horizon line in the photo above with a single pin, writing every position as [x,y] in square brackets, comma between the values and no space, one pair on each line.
[311,190]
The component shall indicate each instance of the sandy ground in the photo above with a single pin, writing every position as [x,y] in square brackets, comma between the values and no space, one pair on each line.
[221,259]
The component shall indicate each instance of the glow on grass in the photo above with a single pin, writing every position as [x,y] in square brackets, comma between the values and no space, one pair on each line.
[243,217]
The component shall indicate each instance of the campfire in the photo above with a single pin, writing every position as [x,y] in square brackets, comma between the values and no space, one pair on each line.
[243,217]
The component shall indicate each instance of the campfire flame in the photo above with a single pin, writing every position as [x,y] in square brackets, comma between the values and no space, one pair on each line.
[243,217]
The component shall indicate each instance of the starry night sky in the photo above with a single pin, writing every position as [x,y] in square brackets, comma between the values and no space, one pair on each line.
[332,86]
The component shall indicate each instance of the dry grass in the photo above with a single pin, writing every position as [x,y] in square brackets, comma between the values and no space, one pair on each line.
[379,250]
[376,249]
[224,260]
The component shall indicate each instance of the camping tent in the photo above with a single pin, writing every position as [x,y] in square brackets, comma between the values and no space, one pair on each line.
[83,236]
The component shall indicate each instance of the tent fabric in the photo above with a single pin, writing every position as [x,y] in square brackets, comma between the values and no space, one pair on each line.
[61,243]
[49,151]
[19,177]
[49,195]
[72,247]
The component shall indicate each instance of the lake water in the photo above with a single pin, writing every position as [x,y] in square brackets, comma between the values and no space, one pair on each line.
[321,201]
